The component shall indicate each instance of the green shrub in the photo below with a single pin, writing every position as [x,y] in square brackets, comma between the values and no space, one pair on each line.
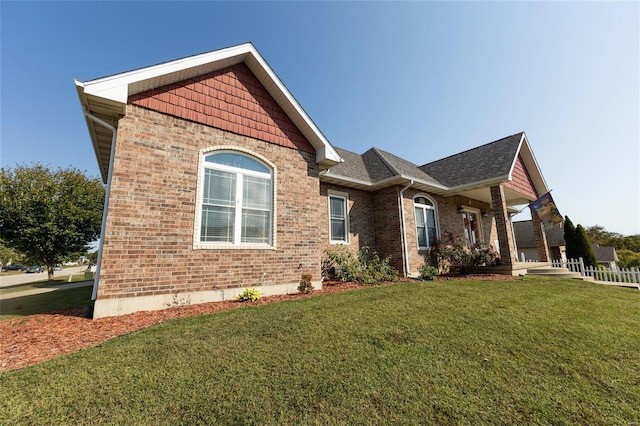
[364,267]
[249,294]
[305,284]
[451,252]
[428,272]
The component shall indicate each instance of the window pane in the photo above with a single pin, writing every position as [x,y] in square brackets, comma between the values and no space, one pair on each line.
[423,201]
[217,224]
[219,188]
[257,193]
[255,226]
[338,230]
[237,160]
[337,207]
[338,218]
[423,231]
[419,216]
[431,226]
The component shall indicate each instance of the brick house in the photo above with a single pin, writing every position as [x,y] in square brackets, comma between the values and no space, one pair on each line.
[217,180]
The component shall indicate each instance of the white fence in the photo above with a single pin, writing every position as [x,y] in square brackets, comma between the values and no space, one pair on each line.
[621,275]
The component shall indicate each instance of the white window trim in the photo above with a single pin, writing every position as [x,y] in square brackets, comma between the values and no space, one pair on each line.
[437,218]
[200,245]
[345,197]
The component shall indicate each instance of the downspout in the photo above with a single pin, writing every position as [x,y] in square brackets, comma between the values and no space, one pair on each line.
[94,293]
[405,248]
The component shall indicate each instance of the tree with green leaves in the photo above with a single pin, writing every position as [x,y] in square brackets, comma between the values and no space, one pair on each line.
[583,246]
[570,239]
[46,214]
[8,255]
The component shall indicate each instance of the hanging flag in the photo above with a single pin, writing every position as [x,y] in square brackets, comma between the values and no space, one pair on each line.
[546,210]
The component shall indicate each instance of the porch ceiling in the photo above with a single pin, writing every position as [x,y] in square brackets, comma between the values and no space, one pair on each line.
[512,197]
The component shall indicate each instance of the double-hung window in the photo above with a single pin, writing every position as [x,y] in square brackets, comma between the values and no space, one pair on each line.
[338,223]
[426,228]
[237,203]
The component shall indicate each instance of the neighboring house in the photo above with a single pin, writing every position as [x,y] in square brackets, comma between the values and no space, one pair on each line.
[217,180]
[606,256]
[526,242]
[527,249]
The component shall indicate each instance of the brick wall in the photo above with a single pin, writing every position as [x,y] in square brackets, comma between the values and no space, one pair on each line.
[360,216]
[148,247]
[375,221]
[449,220]
[503,226]
[387,225]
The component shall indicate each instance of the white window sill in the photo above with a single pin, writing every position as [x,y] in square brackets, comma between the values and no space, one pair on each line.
[226,246]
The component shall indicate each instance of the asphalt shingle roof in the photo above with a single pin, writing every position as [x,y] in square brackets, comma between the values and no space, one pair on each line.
[486,162]
[604,254]
[376,165]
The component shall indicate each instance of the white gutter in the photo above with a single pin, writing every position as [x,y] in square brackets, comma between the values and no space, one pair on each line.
[405,248]
[105,210]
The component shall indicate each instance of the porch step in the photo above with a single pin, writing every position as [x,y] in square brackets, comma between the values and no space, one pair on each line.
[548,271]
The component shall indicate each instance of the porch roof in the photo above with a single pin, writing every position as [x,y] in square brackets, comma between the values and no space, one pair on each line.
[470,173]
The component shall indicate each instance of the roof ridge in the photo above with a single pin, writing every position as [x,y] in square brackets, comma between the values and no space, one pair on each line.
[388,165]
[471,149]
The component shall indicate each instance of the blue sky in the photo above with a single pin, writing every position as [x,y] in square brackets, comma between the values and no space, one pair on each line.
[422,80]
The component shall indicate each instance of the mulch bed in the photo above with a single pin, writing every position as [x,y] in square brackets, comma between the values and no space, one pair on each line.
[32,339]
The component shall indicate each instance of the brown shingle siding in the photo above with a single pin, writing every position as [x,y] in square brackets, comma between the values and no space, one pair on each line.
[231,99]
[521,181]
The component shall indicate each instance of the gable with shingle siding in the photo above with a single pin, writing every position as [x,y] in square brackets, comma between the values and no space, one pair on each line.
[231,99]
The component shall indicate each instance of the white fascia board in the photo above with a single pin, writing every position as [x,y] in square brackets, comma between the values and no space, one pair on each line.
[118,87]
[531,164]
[515,157]
[382,183]
[530,160]
[422,182]
[324,150]
[327,173]
[481,184]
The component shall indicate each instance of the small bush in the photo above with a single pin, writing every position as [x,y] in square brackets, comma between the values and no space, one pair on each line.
[249,294]
[450,252]
[305,284]
[364,267]
[428,272]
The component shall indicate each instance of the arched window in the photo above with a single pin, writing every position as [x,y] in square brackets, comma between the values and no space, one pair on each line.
[236,200]
[426,224]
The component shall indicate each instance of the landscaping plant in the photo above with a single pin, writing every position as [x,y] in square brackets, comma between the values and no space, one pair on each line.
[249,294]
[363,267]
[450,253]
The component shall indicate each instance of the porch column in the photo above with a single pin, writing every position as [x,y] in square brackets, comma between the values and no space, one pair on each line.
[541,238]
[503,226]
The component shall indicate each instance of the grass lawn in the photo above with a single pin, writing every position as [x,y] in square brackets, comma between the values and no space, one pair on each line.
[11,307]
[536,351]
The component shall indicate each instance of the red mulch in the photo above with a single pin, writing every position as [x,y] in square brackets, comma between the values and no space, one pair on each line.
[32,339]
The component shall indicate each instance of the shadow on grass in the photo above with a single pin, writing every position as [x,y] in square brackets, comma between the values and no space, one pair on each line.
[73,302]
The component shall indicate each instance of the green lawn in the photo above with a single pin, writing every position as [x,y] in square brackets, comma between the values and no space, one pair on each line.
[536,351]
[11,307]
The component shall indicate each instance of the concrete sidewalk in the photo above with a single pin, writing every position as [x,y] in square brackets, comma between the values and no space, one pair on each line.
[32,291]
